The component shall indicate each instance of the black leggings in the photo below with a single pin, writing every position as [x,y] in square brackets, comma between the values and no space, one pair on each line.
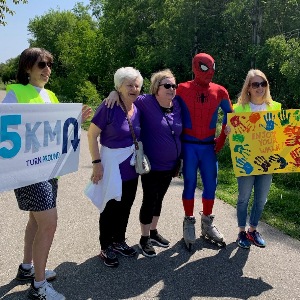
[114,218]
[155,185]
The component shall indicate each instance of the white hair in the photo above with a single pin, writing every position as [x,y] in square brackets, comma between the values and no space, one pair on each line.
[127,73]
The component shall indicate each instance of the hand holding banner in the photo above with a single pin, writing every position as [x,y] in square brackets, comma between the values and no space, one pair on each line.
[38,142]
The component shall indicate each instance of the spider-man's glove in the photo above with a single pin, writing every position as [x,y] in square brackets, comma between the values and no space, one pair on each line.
[220,140]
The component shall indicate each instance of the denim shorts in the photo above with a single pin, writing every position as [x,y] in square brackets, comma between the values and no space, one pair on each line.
[37,197]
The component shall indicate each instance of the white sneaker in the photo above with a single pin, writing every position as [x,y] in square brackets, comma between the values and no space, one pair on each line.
[49,274]
[45,292]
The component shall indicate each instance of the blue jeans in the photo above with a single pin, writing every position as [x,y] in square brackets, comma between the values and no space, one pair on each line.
[261,184]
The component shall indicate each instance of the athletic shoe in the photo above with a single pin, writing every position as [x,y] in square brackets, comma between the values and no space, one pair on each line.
[242,240]
[155,237]
[255,237]
[45,292]
[109,257]
[146,247]
[123,249]
[30,274]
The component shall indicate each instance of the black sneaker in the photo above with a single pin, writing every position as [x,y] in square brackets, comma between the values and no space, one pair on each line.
[109,257]
[146,247]
[158,239]
[30,274]
[123,249]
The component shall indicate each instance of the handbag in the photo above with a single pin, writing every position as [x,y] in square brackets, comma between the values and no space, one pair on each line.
[141,163]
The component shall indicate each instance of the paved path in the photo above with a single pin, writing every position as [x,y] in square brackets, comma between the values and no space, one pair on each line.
[2,95]
[175,274]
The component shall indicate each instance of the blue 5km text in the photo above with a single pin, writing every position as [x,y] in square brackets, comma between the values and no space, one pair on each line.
[60,133]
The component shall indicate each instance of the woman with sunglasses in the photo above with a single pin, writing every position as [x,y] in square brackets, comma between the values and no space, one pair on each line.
[255,96]
[39,199]
[161,127]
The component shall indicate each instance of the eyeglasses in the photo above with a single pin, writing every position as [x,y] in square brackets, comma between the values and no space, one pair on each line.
[43,64]
[255,85]
[168,85]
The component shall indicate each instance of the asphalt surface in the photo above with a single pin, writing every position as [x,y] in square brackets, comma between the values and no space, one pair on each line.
[2,95]
[207,272]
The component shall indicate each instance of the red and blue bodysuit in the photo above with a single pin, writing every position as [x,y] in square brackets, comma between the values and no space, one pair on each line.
[202,100]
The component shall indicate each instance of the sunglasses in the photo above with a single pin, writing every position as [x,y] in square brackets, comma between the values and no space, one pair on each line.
[255,85]
[43,64]
[168,85]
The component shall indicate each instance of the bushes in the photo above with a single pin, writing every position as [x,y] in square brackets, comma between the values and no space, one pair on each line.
[86,93]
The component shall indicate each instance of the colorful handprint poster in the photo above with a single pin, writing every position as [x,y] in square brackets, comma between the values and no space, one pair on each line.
[265,142]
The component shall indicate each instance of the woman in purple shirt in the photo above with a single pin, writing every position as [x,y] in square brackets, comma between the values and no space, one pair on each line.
[115,138]
[161,125]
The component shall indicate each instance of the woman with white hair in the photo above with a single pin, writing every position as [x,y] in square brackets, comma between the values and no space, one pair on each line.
[116,139]
[161,123]
[255,96]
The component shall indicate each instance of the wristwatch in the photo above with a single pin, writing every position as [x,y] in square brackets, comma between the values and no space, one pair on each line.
[96,161]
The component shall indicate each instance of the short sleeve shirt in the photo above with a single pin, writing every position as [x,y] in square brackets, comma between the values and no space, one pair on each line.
[115,133]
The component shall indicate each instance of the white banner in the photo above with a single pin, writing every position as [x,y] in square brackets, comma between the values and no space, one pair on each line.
[38,142]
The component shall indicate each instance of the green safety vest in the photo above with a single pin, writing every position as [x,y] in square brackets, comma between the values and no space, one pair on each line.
[28,94]
[246,108]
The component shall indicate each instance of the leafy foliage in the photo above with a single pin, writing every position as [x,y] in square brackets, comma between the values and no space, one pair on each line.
[4,9]
[91,42]
[280,59]
[9,69]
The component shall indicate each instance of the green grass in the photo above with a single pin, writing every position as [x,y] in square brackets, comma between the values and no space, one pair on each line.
[87,123]
[282,209]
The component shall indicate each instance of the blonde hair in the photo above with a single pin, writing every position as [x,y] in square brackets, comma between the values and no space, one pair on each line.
[156,79]
[245,95]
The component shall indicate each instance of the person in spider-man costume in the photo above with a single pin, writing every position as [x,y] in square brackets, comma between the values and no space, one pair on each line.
[202,100]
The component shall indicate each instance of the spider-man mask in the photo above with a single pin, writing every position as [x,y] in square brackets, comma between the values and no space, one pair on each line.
[203,68]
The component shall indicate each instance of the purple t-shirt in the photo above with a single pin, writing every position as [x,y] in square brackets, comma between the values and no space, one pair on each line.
[156,135]
[115,133]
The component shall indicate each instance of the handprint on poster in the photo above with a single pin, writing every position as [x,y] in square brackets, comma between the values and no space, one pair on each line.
[265,142]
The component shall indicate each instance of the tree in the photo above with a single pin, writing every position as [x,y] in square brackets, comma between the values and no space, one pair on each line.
[280,60]
[72,38]
[8,70]
[5,9]
[151,35]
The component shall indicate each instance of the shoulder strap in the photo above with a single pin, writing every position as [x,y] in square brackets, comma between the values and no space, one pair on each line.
[130,125]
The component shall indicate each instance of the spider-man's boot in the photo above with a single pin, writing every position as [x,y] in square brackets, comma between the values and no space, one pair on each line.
[189,231]
[189,223]
[210,231]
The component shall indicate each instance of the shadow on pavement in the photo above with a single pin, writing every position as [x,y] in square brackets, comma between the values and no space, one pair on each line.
[220,275]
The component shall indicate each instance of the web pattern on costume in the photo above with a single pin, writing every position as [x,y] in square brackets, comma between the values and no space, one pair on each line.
[202,105]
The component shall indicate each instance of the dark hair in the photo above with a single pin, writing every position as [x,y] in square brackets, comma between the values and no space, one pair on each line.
[27,59]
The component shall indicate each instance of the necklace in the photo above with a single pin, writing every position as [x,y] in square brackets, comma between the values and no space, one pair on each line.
[167,110]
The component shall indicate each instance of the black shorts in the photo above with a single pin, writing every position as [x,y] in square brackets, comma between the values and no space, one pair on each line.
[37,197]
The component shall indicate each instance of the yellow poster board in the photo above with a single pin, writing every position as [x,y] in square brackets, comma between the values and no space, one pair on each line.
[265,142]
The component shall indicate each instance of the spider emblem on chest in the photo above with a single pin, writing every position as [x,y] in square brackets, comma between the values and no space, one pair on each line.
[201,97]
